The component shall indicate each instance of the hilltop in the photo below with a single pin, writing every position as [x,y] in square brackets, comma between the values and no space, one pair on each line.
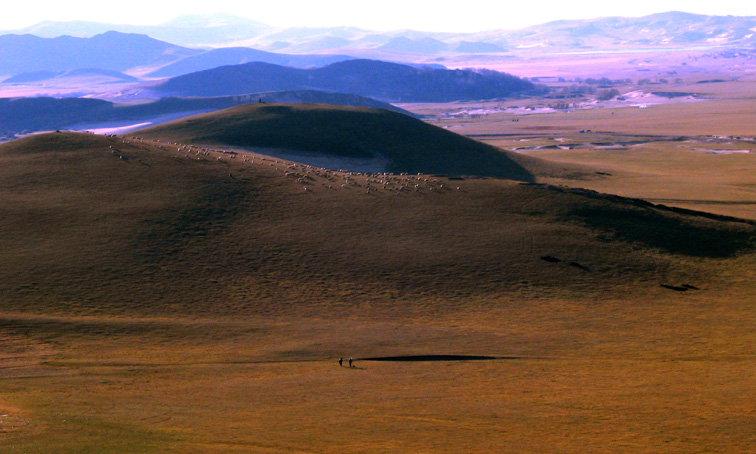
[25,115]
[401,142]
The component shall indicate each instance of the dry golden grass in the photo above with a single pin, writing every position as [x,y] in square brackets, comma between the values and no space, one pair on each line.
[165,303]
[665,153]
[665,375]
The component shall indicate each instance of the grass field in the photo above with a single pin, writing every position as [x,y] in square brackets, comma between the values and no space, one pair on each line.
[156,298]
[695,155]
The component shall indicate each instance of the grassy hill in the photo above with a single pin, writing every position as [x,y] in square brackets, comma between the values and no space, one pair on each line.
[111,224]
[162,298]
[408,144]
[25,115]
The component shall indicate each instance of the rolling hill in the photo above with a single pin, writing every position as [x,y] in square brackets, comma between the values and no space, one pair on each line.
[158,297]
[240,55]
[172,294]
[405,144]
[25,115]
[376,79]
[116,225]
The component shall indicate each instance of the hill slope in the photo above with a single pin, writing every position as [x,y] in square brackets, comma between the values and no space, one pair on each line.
[376,79]
[156,298]
[25,115]
[407,144]
[108,225]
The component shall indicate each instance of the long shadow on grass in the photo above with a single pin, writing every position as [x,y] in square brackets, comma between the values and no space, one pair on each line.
[428,358]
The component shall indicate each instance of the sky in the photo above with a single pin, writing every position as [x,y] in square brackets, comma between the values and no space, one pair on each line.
[438,15]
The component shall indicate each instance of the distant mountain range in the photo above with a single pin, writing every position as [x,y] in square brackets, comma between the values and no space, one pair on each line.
[21,55]
[161,51]
[239,55]
[672,29]
[108,51]
[390,82]
[45,75]
[216,29]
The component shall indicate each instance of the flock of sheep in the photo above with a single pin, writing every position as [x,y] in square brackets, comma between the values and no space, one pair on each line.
[305,175]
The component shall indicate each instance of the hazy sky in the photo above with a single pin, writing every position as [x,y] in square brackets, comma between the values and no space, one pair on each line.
[438,15]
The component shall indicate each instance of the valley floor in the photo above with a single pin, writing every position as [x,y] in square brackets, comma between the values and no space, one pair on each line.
[666,374]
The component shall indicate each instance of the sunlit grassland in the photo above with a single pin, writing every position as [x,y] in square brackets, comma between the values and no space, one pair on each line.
[168,304]
[689,155]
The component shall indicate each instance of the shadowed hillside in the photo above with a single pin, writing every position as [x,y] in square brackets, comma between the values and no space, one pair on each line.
[117,225]
[408,145]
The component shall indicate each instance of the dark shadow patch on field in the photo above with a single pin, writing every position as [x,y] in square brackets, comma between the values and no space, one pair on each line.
[680,288]
[579,266]
[430,358]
